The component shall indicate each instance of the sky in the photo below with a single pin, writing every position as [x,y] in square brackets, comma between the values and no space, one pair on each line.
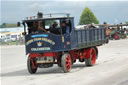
[110,11]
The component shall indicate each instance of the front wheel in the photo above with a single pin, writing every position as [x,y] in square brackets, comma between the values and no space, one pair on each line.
[66,62]
[92,57]
[32,68]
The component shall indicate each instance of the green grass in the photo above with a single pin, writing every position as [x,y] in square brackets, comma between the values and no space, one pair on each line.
[11,25]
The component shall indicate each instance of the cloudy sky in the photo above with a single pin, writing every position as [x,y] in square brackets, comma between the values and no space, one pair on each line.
[111,11]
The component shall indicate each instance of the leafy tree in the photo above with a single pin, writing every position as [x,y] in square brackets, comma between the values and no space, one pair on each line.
[126,22]
[4,24]
[87,17]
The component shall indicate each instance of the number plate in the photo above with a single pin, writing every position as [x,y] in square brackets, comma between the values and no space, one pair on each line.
[45,60]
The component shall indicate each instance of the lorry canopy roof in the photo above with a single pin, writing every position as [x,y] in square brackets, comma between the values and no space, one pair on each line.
[49,18]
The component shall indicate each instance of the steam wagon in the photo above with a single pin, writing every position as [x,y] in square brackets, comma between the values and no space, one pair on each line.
[55,40]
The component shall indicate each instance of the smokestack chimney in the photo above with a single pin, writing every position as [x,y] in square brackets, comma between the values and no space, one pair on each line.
[39,15]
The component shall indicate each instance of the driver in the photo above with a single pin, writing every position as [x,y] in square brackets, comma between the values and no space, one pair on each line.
[53,27]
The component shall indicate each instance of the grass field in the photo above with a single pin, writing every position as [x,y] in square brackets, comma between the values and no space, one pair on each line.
[8,25]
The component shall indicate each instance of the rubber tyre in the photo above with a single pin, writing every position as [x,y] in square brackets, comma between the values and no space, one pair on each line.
[59,61]
[107,40]
[96,49]
[66,62]
[29,66]
[59,65]
[92,58]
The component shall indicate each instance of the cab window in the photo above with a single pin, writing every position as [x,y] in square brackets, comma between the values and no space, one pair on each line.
[66,26]
[53,26]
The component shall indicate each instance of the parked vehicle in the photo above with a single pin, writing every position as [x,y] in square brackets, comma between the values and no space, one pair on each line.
[14,37]
[6,38]
[55,45]
[118,31]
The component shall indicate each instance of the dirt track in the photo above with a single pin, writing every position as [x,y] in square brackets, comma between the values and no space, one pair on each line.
[111,68]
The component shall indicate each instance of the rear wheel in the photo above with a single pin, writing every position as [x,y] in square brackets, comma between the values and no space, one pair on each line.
[66,62]
[116,37]
[92,57]
[59,61]
[32,68]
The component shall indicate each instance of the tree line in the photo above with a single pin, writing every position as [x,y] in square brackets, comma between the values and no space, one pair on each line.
[7,25]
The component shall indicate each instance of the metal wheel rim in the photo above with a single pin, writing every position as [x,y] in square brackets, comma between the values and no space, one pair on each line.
[68,62]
